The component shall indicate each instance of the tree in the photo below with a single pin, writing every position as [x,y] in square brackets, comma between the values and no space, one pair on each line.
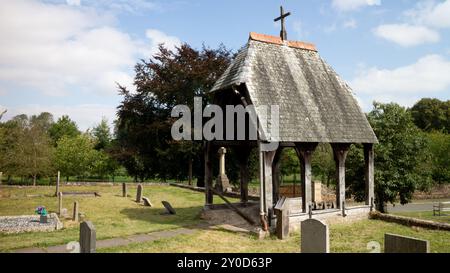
[168,79]
[102,135]
[440,156]
[63,127]
[398,157]
[432,114]
[27,150]
[75,156]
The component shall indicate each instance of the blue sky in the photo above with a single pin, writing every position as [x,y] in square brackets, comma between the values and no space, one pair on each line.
[64,56]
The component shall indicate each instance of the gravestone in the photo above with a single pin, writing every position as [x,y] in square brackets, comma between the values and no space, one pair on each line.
[60,204]
[169,209]
[315,237]
[124,189]
[87,237]
[401,244]
[282,214]
[1,177]
[75,211]
[139,194]
[316,191]
[147,202]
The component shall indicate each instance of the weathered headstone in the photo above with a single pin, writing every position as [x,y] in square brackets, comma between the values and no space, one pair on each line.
[124,189]
[315,237]
[57,183]
[316,191]
[87,237]
[401,244]
[169,209]
[75,211]
[222,183]
[147,202]
[282,214]
[139,193]
[60,203]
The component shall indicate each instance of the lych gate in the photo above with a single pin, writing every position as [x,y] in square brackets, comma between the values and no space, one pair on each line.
[315,106]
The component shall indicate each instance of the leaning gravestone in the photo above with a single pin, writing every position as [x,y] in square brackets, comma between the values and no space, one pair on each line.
[401,244]
[75,211]
[169,209]
[124,190]
[87,237]
[147,202]
[315,237]
[139,194]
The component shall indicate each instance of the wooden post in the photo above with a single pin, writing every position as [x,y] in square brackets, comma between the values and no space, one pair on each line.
[304,153]
[369,172]
[276,175]
[1,177]
[243,154]
[268,182]
[124,190]
[340,152]
[57,183]
[209,198]
[190,172]
[75,211]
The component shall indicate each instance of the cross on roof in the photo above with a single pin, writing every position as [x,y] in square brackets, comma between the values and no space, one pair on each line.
[283,15]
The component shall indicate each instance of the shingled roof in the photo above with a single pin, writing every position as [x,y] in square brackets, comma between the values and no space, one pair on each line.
[315,104]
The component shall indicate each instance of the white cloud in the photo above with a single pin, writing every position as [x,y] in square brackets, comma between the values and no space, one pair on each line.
[349,5]
[157,37]
[351,23]
[428,76]
[85,115]
[73,2]
[431,13]
[60,48]
[407,35]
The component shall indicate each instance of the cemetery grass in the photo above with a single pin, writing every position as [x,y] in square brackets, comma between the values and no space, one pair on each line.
[111,214]
[344,238]
[426,215]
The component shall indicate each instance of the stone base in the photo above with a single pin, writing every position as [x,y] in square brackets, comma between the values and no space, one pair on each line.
[223,184]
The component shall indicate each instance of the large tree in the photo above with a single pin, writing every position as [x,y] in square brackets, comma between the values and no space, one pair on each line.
[171,77]
[432,114]
[63,127]
[398,157]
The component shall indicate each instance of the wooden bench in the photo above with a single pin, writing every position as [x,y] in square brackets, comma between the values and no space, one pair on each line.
[440,207]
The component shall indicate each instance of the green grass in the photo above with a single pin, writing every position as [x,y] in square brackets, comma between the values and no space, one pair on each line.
[112,215]
[115,216]
[346,238]
[426,215]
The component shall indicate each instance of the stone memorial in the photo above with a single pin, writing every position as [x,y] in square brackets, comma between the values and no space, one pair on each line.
[401,244]
[315,237]
[75,211]
[87,237]
[169,209]
[124,189]
[147,202]
[139,193]
[222,183]
[282,214]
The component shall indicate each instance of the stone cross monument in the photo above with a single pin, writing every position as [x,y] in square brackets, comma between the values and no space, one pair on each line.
[223,184]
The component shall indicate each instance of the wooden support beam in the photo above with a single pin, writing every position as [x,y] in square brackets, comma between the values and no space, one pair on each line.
[369,173]
[276,173]
[243,154]
[340,152]
[304,153]
[208,174]
[233,207]
[268,182]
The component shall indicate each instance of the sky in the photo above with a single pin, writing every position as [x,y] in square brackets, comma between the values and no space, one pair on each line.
[67,56]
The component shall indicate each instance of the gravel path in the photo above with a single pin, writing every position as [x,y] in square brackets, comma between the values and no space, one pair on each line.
[27,223]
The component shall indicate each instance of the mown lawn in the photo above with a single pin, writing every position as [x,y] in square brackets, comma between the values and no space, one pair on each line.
[111,214]
[115,216]
[346,238]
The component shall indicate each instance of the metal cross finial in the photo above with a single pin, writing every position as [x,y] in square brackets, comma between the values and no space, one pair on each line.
[283,15]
